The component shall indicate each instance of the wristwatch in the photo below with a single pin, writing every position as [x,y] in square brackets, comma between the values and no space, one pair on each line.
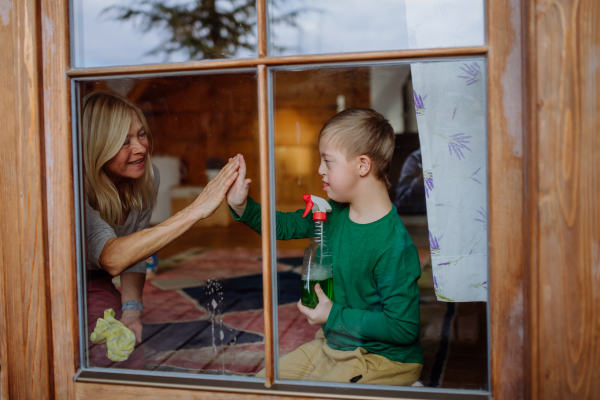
[133,305]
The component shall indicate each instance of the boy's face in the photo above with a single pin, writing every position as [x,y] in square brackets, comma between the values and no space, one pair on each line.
[340,176]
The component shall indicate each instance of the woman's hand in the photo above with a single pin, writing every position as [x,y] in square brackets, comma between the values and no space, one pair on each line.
[214,193]
[132,320]
[121,253]
[132,286]
[320,313]
[238,192]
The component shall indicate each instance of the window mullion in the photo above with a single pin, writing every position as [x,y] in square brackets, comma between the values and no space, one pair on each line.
[261,25]
[267,242]
[188,66]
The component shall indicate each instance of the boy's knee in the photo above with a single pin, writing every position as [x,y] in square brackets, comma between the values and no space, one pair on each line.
[295,368]
[319,334]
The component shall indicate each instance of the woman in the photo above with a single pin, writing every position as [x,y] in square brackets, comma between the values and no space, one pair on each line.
[121,186]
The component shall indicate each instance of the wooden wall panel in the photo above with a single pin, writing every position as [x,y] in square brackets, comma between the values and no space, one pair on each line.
[198,117]
[507,301]
[87,391]
[25,338]
[566,83]
[58,178]
[304,101]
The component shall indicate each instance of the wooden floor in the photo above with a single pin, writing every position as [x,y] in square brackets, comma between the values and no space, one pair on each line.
[467,366]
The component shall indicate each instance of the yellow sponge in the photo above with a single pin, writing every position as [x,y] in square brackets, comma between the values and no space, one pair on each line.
[119,339]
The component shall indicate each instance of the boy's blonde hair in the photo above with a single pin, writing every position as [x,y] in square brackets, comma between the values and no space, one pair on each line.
[106,121]
[363,131]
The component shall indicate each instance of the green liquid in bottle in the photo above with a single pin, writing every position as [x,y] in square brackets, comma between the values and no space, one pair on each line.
[309,296]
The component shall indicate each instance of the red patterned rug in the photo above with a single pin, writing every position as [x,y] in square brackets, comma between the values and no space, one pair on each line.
[217,326]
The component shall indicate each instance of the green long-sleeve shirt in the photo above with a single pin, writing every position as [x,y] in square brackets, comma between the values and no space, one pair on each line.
[375,273]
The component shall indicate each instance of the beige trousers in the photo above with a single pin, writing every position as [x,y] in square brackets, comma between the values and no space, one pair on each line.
[316,361]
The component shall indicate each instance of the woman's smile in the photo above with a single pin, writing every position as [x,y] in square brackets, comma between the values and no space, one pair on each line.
[138,163]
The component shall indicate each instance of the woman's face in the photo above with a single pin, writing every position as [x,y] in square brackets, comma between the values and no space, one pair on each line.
[130,161]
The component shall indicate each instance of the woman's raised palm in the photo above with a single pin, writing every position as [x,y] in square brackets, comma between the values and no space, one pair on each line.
[214,192]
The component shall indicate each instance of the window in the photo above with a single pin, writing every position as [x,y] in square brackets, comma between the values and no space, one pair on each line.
[304,100]
[198,120]
[110,33]
[350,26]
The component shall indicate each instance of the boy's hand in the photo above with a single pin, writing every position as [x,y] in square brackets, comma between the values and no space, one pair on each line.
[320,313]
[238,192]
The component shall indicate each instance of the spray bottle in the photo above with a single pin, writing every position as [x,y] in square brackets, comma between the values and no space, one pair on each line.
[318,263]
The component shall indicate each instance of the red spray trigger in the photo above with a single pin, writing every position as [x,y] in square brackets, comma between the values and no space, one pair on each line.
[309,204]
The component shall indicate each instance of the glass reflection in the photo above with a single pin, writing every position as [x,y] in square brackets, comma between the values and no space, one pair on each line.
[131,32]
[201,290]
[453,336]
[338,26]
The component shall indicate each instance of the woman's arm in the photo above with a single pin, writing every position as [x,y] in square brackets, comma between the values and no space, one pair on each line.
[120,253]
[132,285]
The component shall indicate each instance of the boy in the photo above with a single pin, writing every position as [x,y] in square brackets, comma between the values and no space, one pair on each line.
[370,332]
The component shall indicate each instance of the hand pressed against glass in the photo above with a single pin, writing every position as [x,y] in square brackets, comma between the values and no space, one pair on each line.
[130,161]
[120,253]
[238,192]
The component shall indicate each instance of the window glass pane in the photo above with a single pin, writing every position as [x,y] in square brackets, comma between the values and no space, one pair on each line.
[202,290]
[317,27]
[400,313]
[133,32]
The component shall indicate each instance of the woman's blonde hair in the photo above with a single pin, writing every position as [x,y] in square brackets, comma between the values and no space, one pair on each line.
[106,121]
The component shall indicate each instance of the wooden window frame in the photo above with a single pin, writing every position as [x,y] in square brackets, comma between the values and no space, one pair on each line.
[56,310]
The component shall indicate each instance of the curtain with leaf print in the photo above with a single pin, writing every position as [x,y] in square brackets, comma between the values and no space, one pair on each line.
[450,108]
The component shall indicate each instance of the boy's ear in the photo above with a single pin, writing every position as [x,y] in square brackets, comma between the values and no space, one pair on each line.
[364,165]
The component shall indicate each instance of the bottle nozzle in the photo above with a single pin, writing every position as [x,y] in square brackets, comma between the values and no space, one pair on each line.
[319,206]
[309,204]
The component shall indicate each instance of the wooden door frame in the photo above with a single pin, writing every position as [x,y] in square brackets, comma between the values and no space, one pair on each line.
[49,34]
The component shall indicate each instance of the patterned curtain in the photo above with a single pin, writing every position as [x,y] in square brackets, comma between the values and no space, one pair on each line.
[450,107]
